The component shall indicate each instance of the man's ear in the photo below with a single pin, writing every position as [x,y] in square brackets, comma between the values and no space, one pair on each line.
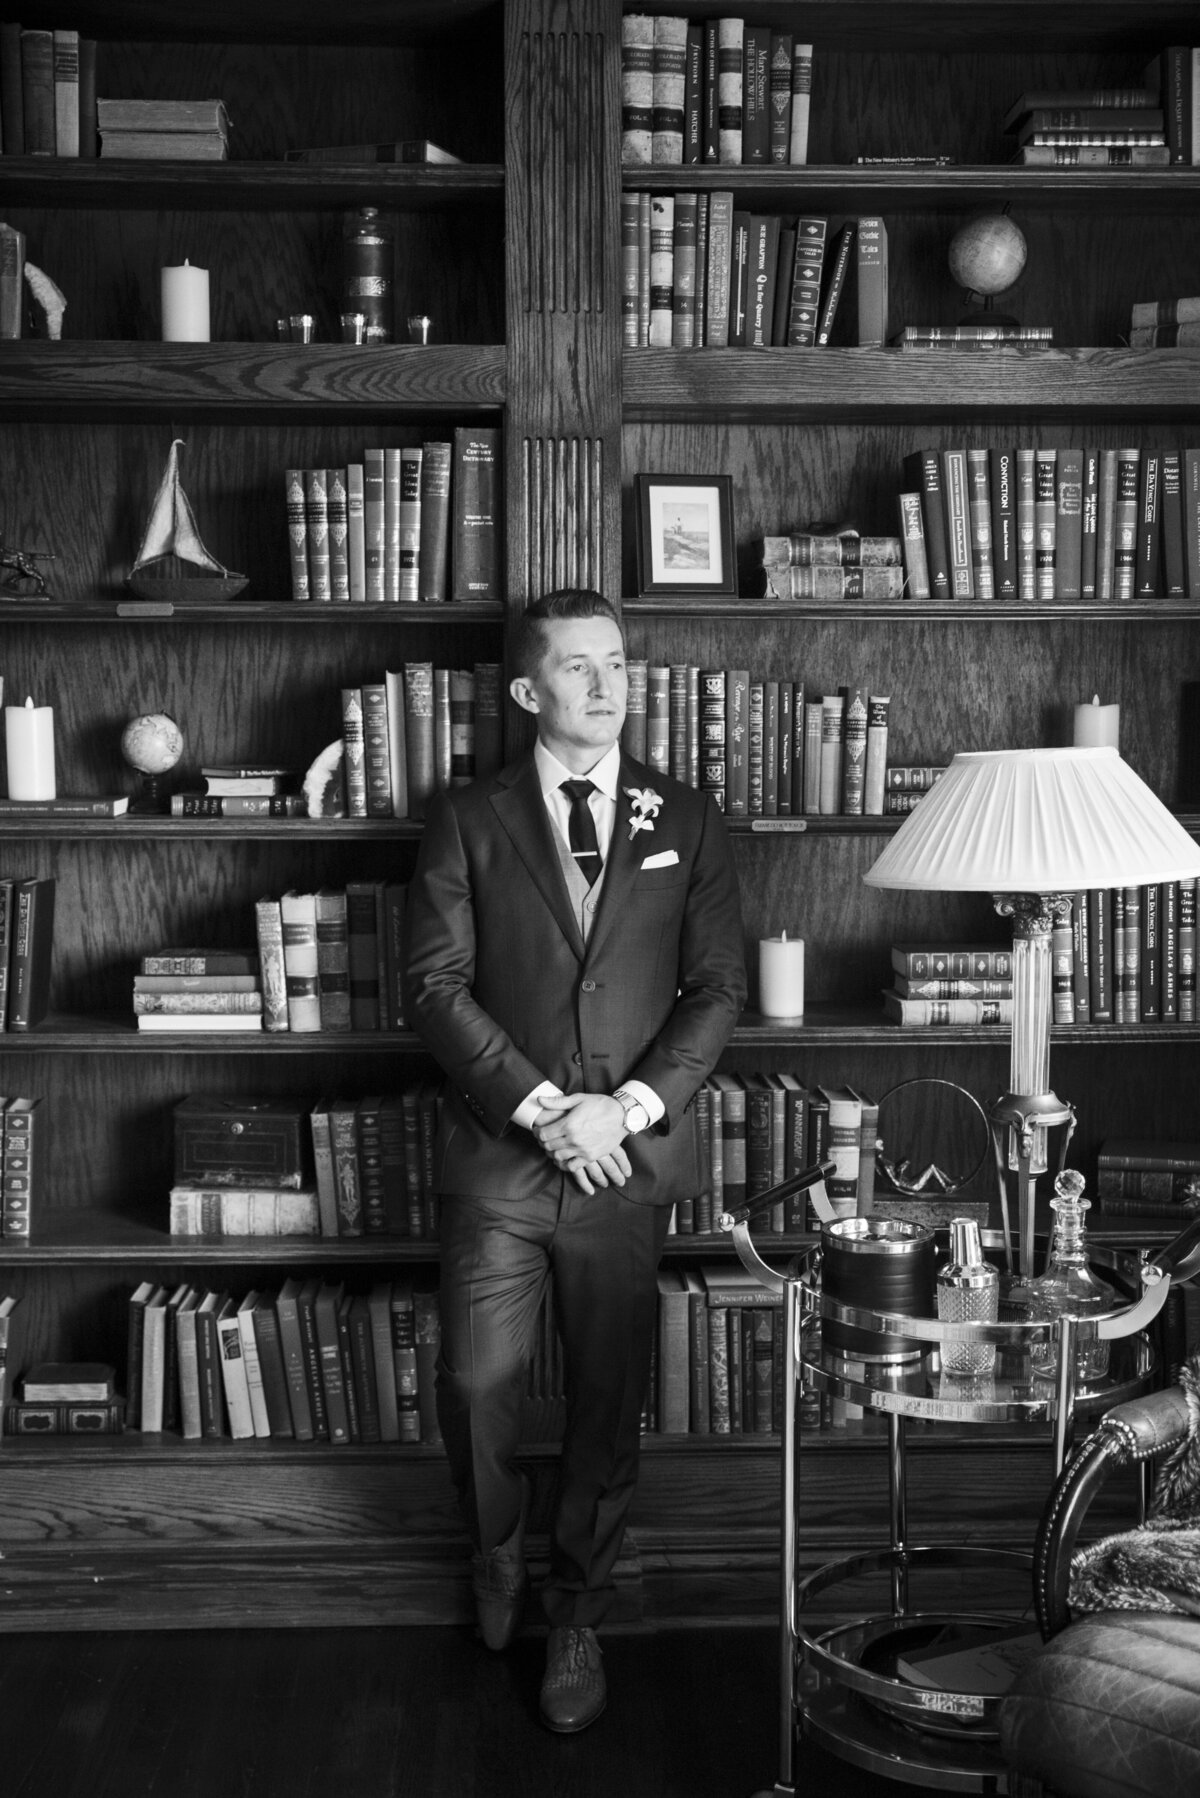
[522,691]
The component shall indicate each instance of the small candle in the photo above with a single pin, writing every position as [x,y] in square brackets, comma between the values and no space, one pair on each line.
[781,977]
[29,737]
[185,304]
[1097,726]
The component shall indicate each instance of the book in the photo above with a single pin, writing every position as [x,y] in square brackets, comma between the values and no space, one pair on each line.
[105,1419]
[61,1382]
[402,1309]
[234,1380]
[730,46]
[719,269]
[347,1187]
[801,111]
[272,976]
[338,519]
[188,1004]
[66,91]
[12,126]
[637,87]
[238,805]
[1147,574]
[333,959]
[1093,156]
[662,271]
[356,539]
[12,282]
[298,917]
[779,96]
[475,487]
[326,1304]
[959,1659]
[1045,518]
[1173,563]
[291,1343]
[1121,99]
[923,475]
[392,479]
[408,525]
[37,90]
[947,961]
[164,146]
[1125,522]
[316,532]
[376,750]
[409,149]
[243,1211]
[1068,524]
[260,1419]
[374,526]
[803,319]
[96,805]
[924,1012]
[871,249]
[979,518]
[433,552]
[271,1361]
[674,1359]
[32,951]
[162,115]
[763,256]
[756,104]
[1027,536]
[788,583]
[840,257]
[958,523]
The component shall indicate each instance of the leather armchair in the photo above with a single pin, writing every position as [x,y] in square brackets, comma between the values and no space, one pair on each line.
[1110,1706]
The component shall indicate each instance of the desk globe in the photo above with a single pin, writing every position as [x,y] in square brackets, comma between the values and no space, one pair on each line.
[987,256]
[152,744]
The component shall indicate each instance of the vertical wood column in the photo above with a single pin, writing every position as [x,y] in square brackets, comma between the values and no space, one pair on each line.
[563,423]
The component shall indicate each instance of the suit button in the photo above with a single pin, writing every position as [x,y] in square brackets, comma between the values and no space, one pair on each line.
[577,1058]
[587,986]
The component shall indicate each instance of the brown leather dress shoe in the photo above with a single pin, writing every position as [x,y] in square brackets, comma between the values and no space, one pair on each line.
[501,1582]
[574,1691]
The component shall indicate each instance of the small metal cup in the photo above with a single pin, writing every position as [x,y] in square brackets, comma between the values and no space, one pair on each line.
[302,324]
[283,330]
[354,327]
[419,328]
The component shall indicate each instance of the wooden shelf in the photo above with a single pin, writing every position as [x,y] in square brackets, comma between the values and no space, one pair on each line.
[890,612]
[873,385]
[117,1033]
[126,611]
[46,380]
[959,187]
[136,828]
[99,1239]
[136,185]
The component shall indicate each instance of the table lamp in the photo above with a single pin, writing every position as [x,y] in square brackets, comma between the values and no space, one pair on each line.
[1033,827]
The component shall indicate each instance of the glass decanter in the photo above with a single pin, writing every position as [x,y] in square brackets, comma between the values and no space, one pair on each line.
[1068,1286]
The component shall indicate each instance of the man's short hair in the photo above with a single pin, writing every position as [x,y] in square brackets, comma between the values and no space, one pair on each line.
[528,643]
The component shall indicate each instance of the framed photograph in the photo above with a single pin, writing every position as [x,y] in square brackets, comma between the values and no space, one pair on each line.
[685,538]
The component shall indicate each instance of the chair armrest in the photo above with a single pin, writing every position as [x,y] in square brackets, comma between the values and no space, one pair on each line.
[1128,1433]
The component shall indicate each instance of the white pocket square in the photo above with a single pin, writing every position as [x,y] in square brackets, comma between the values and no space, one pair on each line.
[667,858]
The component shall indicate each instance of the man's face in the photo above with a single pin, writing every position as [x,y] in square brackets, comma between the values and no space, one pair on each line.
[579,693]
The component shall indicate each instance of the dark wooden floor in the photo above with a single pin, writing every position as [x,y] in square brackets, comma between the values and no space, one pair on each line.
[379,1713]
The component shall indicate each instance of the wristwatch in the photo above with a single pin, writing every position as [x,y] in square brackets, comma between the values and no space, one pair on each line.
[636,1116]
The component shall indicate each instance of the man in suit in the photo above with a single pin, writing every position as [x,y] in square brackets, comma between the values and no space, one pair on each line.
[575,963]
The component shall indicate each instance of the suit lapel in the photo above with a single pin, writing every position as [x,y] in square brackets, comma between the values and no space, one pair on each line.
[522,811]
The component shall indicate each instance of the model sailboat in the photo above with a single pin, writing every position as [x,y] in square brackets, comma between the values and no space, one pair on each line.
[172,563]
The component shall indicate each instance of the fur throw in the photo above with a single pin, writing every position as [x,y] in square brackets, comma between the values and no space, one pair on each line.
[1156,1567]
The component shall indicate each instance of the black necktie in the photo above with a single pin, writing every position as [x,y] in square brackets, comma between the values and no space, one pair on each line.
[585,846]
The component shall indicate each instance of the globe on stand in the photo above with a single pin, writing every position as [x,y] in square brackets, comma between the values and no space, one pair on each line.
[152,745]
[987,256]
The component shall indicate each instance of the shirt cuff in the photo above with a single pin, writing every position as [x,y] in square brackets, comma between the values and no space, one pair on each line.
[646,1095]
[527,1110]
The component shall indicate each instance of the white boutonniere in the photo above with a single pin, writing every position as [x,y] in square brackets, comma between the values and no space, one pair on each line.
[646,803]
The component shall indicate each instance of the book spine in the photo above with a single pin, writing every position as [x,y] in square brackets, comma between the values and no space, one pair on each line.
[316,520]
[779,93]
[738,278]
[979,505]
[298,913]
[1125,537]
[805,297]
[374,547]
[833,708]
[854,752]
[354,752]
[872,283]
[720,262]
[958,523]
[912,536]
[756,123]
[1068,524]
[693,94]
[1147,580]
[391,524]
[1089,517]
[1168,931]
[762,269]
[662,270]
[802,79]
[37,91]
[66,92]
[297,529]
[658,718]
[923,473]
[1002,487]
[737,760]
[419,735]
[712,735]
[1187,950]
[1174,581]
[1045,522]
[1027,578]
[377,760]
[1191,520]
[476,513]
[1106,525]
[338,514]
[12,112]
[637,87]
[754,753]
[814,731]
[878,706]
[842,254]
[462,726]
[409,524]
[730,42]
[333,959]
[668,76]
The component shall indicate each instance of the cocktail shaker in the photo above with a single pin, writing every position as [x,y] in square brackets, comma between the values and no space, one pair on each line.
[968,1291]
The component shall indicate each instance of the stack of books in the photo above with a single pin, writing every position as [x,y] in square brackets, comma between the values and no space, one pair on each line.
[824,565]
[1148,1178]
[1042,524]
[237,790]
[763,748]
[417,523]
[1107,128]
[981,336]
[66,1398]
[186,989]
[1162,324]
[1127,955]
[166,130]
[949,983]
[713,91]
[699,272]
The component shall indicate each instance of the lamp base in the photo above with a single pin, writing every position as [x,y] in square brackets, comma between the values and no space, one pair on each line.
[1019,1122]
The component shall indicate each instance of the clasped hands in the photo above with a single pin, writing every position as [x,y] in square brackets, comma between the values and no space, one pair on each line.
[581,1133]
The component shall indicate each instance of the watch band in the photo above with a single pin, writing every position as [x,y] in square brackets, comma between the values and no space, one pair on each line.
[630,1104]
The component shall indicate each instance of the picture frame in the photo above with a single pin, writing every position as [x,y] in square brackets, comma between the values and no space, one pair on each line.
[685,540]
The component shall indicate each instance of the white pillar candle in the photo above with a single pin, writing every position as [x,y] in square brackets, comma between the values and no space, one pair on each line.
[29,738]
[1097,726]
[781,977]
[185,304]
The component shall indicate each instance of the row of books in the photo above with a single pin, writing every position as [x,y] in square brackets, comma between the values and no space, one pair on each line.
[700,272]
[326,961]
[26,948]
[417,523]
[762,747]
[368,1172]
[309,1362]
[1163,324]
[47,92]
[1127,955]
[418,731]
[713,90]
[757,1129]
[1143,1177]
[1044,524]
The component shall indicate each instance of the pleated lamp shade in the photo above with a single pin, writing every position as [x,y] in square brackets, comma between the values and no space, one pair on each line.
[1036,821]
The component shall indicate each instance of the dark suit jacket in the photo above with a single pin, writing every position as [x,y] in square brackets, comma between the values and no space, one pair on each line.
[500,986]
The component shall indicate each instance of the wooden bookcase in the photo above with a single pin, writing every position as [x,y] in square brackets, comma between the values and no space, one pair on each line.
[515,255]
